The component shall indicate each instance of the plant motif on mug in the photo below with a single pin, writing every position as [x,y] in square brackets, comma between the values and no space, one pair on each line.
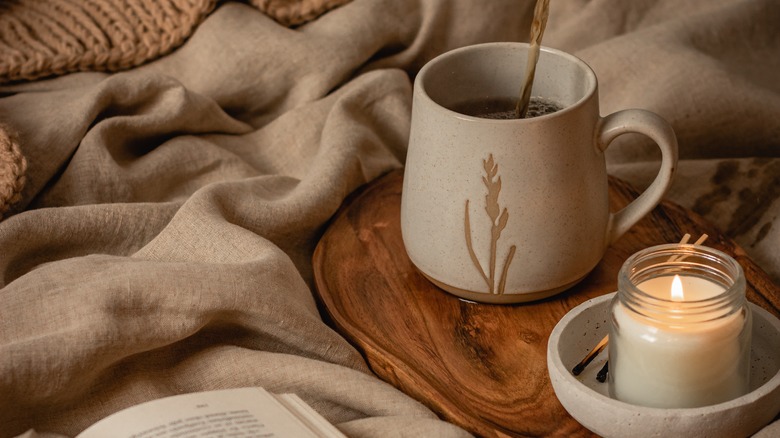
[498,222]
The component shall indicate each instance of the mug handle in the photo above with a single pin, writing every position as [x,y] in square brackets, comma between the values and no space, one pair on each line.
[657,129]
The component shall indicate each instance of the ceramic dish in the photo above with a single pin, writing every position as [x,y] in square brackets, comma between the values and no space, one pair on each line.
[588,400]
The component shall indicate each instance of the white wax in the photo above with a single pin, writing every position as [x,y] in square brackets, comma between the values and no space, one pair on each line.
[670,364]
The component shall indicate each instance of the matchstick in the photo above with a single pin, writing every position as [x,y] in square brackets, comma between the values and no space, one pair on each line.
[590,356]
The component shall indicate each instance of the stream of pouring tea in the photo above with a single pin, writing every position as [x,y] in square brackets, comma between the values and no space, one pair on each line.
[541,11]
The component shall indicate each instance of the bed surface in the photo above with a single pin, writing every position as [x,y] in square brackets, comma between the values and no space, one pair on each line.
[162,240]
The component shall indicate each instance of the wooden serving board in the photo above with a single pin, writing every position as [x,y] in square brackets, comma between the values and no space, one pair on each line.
[480,366]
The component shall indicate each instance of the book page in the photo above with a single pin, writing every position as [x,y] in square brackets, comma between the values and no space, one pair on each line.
[230,413]
[307,415]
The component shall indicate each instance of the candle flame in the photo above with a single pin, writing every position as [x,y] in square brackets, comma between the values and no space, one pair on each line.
[677,289]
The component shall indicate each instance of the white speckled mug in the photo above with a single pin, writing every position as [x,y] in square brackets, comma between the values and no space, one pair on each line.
[506,211]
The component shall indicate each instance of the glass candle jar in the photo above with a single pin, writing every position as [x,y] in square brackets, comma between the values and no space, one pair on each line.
[680,329]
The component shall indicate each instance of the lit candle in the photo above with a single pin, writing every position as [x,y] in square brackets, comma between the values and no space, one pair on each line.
[680,332]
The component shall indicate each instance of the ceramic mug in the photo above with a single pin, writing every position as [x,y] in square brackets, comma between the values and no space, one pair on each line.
[505,211]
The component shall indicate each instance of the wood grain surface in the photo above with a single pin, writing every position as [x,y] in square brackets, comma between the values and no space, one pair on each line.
[481,366]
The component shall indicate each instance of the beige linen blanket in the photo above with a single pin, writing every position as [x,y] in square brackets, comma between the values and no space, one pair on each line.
[162,242]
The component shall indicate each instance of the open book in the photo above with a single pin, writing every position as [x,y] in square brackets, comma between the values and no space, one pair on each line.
[241,412]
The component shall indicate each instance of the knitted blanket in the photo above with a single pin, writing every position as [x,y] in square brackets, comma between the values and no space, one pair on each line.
[13,166]
[162,240]
[40,38]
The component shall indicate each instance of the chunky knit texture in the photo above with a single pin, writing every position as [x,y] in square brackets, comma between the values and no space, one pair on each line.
[295,12]
[12,170]
[40,38]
